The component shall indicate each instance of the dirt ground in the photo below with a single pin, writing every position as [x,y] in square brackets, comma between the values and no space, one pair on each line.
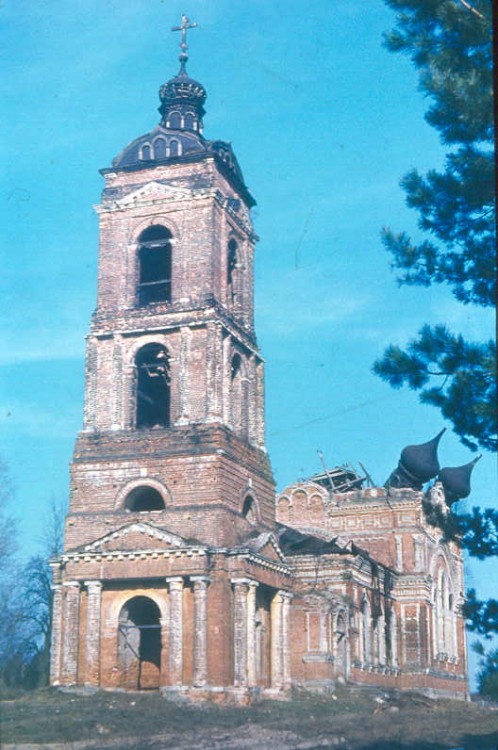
[352,719]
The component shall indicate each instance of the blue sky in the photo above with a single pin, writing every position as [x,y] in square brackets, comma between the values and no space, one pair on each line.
[324,122]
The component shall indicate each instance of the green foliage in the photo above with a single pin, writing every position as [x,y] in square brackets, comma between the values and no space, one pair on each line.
[457,376]
[482,615]
[487,677]
[450,44]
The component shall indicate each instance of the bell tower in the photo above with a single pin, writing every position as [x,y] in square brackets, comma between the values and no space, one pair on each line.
[174,397]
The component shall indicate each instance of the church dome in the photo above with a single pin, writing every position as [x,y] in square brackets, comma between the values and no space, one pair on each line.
[456,481]
[421,461]
[184,96]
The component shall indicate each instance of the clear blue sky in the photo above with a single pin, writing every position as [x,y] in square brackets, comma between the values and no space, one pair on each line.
[324,123]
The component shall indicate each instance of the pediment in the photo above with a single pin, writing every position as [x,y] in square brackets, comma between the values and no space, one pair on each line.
[136,537]
[152,192]
[267,546]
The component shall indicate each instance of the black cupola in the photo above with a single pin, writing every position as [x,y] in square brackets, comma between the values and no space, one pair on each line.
[456,481]
[417,465]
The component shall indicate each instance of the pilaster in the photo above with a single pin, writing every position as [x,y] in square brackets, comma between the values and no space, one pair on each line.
[94,589]
[56,644]
[240,588]
[175,584]
[71,633]
[200,584]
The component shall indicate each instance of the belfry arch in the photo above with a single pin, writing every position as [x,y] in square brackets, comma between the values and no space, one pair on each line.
[152,387]
[139,644]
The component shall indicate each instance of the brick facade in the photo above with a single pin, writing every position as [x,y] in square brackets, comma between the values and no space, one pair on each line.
[181,570]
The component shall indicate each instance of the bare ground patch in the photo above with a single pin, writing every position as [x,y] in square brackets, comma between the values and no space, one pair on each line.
[353,719]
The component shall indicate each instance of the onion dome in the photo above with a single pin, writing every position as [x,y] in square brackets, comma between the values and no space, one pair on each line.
[182,102]
[417,464]
[456,481]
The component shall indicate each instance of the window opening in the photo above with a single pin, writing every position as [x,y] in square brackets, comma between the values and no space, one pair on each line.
[174,148]
[189,121]
[154,256]
[139,643]
[231,270]
[146,153]
[175,120]
[143,499]
[249,509]
[153,387]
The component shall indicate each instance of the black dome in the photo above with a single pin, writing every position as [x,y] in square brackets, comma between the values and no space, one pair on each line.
[421,461]
[456,480]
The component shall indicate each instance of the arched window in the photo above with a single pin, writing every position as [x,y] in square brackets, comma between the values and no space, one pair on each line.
[249,509]
[143,499]
[139,643]
[146,152]
[231,271]
[174,148]
[153,387]
[154,258]
[175,121]
[189,121]
[160,148]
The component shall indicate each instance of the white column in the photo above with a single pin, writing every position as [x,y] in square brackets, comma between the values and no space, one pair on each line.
[175,584]
[286,650]
[200,584]
[56,644]
[251,634]
[276,641]
[94,589]
[240,587]
[70,639]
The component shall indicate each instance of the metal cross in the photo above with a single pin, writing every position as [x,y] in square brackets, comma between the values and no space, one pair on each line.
[186,24]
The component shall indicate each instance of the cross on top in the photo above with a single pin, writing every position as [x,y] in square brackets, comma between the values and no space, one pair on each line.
[186,24]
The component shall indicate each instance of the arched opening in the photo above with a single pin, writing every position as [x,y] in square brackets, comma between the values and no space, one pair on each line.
[160,148]
[139,644]
[143,499]
[189,121]
[249,509]
[232,271]
[175,121]
[154,257]
[153,387]
[146,152]
[174,148]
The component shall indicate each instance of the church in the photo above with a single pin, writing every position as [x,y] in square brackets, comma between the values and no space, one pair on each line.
[183,571]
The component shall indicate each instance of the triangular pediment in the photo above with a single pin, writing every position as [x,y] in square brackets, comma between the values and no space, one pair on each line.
[135,537]
[267,546]
[152,192]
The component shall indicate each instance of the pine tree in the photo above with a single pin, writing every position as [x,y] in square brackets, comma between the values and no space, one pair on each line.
[450,43]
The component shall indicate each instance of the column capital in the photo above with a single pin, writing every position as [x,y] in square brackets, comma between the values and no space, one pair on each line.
[286,595]
[56,587]
[241,581]
[93,584]
[174,579]
[72,584]
[200,579]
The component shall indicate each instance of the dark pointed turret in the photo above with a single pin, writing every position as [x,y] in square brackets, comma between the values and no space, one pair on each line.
[456,481]
[417,465]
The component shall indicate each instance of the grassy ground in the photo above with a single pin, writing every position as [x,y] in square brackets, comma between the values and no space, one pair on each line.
[353,719]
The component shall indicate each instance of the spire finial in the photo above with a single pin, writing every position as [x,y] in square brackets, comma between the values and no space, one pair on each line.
[186,24]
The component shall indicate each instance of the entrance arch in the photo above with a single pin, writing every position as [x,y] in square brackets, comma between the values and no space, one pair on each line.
[139,644]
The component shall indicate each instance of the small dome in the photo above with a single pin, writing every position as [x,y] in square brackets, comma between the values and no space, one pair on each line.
[456,480]
[182,102]
[420,461]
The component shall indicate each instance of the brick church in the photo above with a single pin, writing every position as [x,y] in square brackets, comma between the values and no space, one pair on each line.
[182,569]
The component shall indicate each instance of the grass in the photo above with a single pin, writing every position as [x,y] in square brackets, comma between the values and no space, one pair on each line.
[354,719]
